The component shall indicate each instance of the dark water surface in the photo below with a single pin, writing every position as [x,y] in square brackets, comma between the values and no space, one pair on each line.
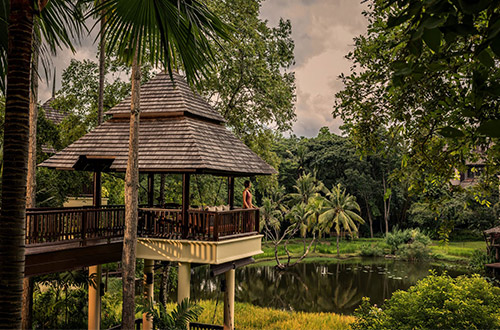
[323,286]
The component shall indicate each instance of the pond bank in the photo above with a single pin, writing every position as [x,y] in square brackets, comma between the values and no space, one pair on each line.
[456,252]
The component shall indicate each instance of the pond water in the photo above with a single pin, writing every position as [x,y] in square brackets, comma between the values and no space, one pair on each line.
[323,286]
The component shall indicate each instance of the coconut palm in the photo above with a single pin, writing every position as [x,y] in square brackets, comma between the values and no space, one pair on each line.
[306,187]
[171,32]
[316,208]
[339,211]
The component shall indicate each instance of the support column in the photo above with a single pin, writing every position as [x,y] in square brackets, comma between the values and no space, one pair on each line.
[183,281]
[185,205]
[230,191]
[229,300]
[97,190]
[94,304]
[147,322]
[151,190]
[94,315]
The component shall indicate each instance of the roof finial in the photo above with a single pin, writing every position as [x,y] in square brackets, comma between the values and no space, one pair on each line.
[54,84]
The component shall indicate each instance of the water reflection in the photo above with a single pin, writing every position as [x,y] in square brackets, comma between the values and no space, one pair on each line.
[317,287]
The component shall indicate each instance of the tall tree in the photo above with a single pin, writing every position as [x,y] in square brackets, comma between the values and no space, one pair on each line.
[169,29]
[339,212]
[15,57]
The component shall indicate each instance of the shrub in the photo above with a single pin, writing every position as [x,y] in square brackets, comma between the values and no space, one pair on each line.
[436,302]
[478,259]
[399,238]
[371,250]
[413,252]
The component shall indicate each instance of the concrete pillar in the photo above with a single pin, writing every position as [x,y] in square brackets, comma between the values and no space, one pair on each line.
[229,300]
[94,317]
[147,322]
[183,281]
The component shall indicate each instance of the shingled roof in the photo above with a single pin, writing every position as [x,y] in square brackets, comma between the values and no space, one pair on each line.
[52,114]
[162,96]
[182,135]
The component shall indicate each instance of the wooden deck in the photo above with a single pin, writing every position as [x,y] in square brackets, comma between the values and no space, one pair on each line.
[59,239]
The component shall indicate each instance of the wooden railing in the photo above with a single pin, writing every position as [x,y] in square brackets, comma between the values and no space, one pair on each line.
[84,223]
[73,224]
[202,225]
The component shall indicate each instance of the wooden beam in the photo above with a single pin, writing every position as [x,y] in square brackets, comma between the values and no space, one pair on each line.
[230,192]
[97,190]
[185,205]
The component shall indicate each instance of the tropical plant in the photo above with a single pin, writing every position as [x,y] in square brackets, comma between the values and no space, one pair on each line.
[306,187]
[436,302]
[300,216]
[177,319]
[162,31]
[339,212]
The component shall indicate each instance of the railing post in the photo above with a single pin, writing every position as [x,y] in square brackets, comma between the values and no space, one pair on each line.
[257,220]
[216,227]
[84,226]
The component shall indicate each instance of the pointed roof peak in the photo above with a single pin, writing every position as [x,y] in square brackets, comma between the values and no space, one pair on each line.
[163,96]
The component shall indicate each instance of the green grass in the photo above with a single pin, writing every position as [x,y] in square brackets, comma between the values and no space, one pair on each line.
[248,316]
[453,251]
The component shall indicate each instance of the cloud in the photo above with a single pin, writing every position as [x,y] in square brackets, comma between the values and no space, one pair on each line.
[323,32]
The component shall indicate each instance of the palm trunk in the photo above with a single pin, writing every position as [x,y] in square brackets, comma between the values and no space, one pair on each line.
[102,62]
[131,202]
[338,247]
[16,136]
[31,179]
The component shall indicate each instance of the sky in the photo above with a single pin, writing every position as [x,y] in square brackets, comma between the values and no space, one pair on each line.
[323,32]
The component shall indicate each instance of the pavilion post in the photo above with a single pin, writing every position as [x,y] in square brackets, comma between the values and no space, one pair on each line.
[147,320]
[94,303]
[151,190]
[230,192]
[185,205]
[97,201]
[229,300]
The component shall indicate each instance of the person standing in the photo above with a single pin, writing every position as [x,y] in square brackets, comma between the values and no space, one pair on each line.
[247,196]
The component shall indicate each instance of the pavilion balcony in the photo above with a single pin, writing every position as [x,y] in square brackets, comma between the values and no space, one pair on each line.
[84,225]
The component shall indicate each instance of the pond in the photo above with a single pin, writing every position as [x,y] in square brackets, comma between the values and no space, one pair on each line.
[318,286]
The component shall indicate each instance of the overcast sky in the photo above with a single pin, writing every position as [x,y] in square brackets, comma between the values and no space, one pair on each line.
[322,31]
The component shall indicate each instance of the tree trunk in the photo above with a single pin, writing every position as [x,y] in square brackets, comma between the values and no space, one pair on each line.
[102,62]
[131,202]
[338,248]
[369,214]
[164,283]
[31,179]
[16,136]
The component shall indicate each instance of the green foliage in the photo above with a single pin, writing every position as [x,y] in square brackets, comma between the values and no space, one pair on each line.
[408,244]
[436,302]
[426,68]
[478,259]
[177,319]
[371,250]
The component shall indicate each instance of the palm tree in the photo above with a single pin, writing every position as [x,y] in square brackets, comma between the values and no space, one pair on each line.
[170,30]
[177,319]
[307,186]
[16,34]
[316,208]
[339,211]
[300,216]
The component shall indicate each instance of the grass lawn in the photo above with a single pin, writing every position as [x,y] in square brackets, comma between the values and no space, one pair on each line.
[252,317]
[453,251]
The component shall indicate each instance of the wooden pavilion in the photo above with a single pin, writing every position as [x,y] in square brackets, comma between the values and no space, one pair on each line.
[179,133]
[492,237]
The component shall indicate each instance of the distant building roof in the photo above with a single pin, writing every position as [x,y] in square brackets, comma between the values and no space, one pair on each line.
[52,114]
[494,230]
[179,135]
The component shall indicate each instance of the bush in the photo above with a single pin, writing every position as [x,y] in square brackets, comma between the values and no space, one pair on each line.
[478,259]
[400,238]
[413,252]
[436,302]
[371,250]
